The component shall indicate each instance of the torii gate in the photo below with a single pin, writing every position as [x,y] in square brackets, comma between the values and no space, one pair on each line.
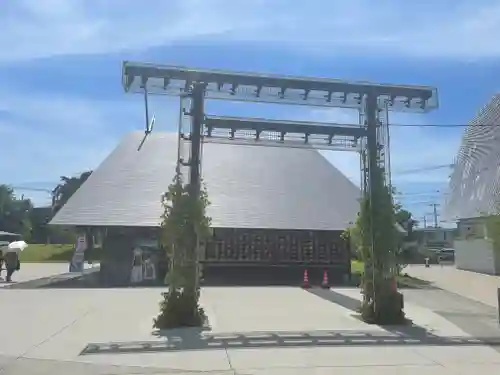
[369,137]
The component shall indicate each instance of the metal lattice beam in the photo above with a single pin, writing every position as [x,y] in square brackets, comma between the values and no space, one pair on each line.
[238,86]
[278,133]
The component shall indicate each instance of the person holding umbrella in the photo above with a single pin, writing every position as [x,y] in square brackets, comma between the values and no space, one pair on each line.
[1,261]
[11,257]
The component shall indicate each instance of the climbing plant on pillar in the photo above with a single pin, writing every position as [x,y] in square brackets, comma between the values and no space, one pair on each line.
[375,236]
[184,225]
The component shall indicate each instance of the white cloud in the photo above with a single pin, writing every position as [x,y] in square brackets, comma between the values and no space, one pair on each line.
[464,29]
[45,137]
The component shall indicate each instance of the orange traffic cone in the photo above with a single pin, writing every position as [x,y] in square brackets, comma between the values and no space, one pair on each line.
[325,284]
[305,281]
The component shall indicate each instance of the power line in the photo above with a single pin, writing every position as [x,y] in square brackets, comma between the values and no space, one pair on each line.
[25,188]
[406,203]
[422,192]
[424,169]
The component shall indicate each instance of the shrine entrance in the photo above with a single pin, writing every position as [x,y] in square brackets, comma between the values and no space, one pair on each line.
[369,137]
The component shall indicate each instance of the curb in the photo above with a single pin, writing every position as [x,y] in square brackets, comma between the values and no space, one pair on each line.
[50,280]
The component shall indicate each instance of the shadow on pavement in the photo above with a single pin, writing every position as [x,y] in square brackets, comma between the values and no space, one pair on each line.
[478,325]
[337,298]
[409,330]
[195,339]
[188,339]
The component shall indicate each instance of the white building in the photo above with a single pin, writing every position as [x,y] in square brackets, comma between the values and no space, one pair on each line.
[474,191]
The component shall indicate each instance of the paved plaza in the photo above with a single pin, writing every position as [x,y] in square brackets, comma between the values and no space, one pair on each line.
[254,330]
[38,273]
[475,286]
[32,271]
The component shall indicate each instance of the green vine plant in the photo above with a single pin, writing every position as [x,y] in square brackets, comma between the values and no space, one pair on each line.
[493,228]
[380,264]
[386,235]
[492,223]
[184,226]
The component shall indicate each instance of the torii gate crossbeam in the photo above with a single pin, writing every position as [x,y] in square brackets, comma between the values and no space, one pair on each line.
[200,84]
[279,133]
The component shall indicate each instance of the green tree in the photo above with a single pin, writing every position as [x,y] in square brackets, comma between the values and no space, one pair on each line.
[400,216]
[184,226]
[404,217]
[66,188]
[492,222]
[14,213]
[41,232]
[61,195]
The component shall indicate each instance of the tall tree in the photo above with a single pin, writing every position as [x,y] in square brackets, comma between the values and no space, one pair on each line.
[404,218]
[14,212]
[64,191]
[41,232]
[66,188]
[401,216]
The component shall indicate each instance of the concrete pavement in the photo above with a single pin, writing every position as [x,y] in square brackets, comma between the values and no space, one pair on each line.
[36,271]
[32,271]
[255,330]
[475,286]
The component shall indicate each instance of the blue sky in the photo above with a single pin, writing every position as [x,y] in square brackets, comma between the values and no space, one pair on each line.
[62,107]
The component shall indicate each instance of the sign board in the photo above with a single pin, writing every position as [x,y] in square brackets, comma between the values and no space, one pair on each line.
[137,271]
[78,259]
[81,244]
[149,270]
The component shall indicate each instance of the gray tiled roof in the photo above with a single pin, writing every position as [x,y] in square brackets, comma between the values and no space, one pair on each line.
[248,186]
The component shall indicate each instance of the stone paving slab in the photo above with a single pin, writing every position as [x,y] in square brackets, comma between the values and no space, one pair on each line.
[53,281]
[60,323]
[246,340]
[35,271]
[29,366]
[325,357]
[25,366]
[31,271]
[433,369]
[429,321]
[475,286]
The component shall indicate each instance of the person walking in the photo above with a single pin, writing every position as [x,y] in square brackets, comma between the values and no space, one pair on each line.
[12,264]
[1,262]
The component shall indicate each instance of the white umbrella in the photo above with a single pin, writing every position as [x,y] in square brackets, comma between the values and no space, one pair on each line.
[16,246]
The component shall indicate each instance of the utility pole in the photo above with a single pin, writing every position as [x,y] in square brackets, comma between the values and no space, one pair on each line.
[435,214]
